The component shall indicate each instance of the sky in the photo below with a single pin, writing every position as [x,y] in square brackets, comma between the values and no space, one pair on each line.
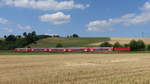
[87,18]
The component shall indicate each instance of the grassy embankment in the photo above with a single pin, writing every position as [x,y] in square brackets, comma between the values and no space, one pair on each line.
[53,53]
[68,42]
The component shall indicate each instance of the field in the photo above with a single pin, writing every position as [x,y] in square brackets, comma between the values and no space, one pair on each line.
[1,38]
[127,40]
[123,41]
[68,42]
[75,69]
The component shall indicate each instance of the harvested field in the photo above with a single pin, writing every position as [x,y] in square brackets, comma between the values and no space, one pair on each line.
[75,69]
[122,41]
[1,38]
[127,40]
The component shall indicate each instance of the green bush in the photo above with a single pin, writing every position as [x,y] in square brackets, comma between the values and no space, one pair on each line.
[137,45]
[148,47]
[59,45]
[106,44]
[126,45]
[117,45]
[75,36]
[141,45]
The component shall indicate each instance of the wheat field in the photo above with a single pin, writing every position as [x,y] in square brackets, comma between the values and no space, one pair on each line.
[127,40]
[122,41]
[75,69]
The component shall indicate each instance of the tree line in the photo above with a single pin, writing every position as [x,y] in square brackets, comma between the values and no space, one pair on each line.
[20,41]
[133,45]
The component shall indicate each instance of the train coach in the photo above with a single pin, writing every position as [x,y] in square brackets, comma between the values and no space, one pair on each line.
[73,49]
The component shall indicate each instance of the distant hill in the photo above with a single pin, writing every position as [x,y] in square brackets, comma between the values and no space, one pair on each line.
[123,40]
[127,40]
[68,42]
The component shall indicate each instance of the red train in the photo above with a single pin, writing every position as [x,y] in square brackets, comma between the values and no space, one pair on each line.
[73,49]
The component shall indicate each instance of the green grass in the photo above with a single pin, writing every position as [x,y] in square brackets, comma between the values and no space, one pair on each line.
[57,52]
[24,53]
[68,42]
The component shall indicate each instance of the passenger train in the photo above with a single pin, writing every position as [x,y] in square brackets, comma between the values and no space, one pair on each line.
[73,49]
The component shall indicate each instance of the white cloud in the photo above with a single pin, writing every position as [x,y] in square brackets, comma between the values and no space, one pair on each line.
[125,20]
[146,7]
[24,27]
[47,34]
[50,34]
[44,4]
[99,26]
[3,21]
[56,18]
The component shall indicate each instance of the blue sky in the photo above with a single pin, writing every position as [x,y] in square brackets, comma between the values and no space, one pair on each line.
[88,18]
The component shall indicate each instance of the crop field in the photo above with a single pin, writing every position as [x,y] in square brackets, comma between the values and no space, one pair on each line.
[1,38]
[122,41]
[75,69]
[127,40]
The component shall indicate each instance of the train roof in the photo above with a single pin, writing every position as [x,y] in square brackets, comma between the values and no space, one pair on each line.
[66,48]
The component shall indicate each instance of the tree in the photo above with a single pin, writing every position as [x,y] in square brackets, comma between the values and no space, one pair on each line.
[117,45]
[5,36]
[59,45]
[19,36]
[148,47]
[68,36]
[33,33]
[31,38]
[75,36]
[141,45]
[137,45]
[126,45]
[133,45]
[56,36]
[1,42]
[28,47]
[25,34]
[106,44]
[11,38]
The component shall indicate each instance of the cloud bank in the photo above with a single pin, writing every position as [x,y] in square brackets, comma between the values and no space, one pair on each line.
[125,20]
[44,4]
